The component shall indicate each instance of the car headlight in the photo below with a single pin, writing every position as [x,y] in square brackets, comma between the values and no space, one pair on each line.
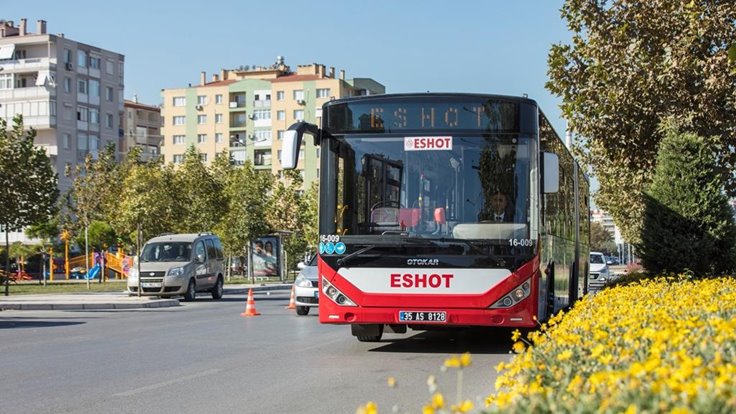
[302,281]
[176,271]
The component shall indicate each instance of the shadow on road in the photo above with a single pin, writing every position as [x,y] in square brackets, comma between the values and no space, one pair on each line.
[475,341]
[35,324]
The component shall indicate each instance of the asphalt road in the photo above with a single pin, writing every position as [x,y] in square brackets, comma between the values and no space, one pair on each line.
[203,357]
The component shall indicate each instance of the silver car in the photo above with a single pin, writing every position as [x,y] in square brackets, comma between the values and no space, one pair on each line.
[179,264]
[306,286]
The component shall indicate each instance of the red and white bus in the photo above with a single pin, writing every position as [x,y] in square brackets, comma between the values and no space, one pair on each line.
[444,210]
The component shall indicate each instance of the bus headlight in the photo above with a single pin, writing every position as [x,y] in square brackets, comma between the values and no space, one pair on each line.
[334,294]
[518,294]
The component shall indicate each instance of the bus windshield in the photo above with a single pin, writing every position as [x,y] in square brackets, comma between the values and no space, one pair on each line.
[467,186]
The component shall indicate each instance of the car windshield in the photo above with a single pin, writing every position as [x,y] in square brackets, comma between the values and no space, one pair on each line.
[597,258]
[167,252]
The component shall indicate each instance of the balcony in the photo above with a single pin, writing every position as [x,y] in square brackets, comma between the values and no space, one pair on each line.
[28,65]
[26,94]
[266,103]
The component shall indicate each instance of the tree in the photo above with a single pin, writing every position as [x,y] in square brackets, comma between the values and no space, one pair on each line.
[29,184]
[601,239]
[148,198]
[203,203]
[308,217]
[246,191]
[285,211]
[688,223]
[631,65]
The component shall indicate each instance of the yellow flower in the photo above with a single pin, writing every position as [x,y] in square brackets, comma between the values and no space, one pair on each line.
[391,382]
[519,347]
[631,409]
[452,362]
[438,401]
[515,335]
[565,355]
[465,359]
[466,406]
[427,409]
[369,408]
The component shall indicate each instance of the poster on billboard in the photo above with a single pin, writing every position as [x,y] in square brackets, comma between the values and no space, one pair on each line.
[265,257]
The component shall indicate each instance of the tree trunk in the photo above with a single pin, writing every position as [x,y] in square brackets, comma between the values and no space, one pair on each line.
[7,261]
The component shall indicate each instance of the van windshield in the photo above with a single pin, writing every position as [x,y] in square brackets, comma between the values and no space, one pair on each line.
[167,252]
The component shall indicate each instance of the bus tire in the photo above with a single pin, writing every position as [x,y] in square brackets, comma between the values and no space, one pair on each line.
[367,332]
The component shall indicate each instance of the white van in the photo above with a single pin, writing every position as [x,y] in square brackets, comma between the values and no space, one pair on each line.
[179,264]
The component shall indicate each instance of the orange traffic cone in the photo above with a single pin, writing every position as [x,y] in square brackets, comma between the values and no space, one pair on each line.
[250,305]
[292,301]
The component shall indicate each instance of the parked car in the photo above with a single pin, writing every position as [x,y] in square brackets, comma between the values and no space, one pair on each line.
[306,287]
[179,264]
[612,260]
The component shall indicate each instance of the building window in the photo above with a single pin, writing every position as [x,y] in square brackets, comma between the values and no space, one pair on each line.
[203,157]
[109,118]
[262,135]
[201,119]
[281,115]
[180,101]
[299,95]
[109,94]
[280,134]
[202,100]
[94,87]
[317,152]
[81,58]
[218,137]
[178,158]
[180,120]
[323,92]
[94,116]
[94,62]
[82,86]
[262,114]
[67,56]
[299,114]
[67,84]
[82,114]
[280,95]
[218,118]
[178,139]
[109,67]
[66,141]
[201,138]
[218,99]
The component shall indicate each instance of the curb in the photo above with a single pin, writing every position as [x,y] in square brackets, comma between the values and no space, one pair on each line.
[50,305]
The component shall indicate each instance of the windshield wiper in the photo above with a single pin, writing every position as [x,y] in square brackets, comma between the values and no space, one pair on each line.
[343,260]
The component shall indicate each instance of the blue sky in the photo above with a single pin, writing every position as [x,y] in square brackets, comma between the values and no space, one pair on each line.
[493,46]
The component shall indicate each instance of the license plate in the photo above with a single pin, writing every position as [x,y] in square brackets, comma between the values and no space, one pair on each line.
[151,285]
[423,317]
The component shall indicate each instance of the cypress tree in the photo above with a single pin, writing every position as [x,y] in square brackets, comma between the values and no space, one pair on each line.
[688,223]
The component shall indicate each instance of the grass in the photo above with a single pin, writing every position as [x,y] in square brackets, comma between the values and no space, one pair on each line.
[80,286]
[64,286]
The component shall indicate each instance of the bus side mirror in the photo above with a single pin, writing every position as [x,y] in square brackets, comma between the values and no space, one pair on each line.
[551,177]
[293,141]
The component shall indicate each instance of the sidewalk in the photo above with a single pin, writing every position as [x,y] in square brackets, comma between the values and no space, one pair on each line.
[112,300]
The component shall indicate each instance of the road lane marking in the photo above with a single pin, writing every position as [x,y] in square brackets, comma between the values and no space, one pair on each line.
[166,383]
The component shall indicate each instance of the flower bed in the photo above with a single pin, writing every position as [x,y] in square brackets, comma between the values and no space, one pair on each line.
[664,345]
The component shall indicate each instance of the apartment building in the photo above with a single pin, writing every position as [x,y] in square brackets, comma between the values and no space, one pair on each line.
[142,126]
[70,92]
[247,110]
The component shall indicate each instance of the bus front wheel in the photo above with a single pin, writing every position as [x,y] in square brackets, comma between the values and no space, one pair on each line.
[367,332]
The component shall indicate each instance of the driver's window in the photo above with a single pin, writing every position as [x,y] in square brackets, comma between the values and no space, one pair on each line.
[199,249]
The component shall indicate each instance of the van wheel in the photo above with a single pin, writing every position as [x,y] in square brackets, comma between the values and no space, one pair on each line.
[217,289]
[302,310]
[191,293]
